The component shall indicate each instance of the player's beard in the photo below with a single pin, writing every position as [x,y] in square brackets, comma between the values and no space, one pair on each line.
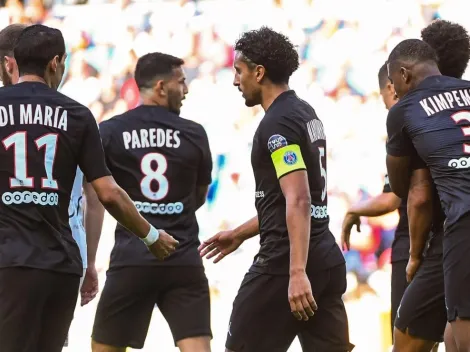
[174,102]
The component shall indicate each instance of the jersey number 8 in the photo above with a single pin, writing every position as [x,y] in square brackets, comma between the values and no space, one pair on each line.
[154,166]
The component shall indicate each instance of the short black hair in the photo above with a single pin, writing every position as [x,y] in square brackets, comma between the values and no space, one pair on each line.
[36,46]
[8,37]
[153,66]
[412,50]
[452,45]
[270,49]
[383,76]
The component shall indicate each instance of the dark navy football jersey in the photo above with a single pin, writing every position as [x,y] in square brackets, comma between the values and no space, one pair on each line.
[401,241]
[159,159]
[289,138]
[434,119]
[44,137]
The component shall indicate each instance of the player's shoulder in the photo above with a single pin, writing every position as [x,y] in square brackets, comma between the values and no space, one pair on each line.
[191,125]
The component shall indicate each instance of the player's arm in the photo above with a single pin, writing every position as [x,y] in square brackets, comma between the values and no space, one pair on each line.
[114,198]
[226,242]
[420,215]
[382,204]
[283,142]
[204,177]
[94,216]
[399,150]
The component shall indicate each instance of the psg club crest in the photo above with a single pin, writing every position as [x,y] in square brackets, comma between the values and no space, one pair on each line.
[290,158]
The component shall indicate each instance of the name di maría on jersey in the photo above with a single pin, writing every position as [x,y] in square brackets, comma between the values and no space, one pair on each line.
[30,114]
[151,138]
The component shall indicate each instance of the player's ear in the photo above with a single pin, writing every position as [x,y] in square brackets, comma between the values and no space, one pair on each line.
[159,87]
[259,73]
[54,64]
[405,75]
[8,64]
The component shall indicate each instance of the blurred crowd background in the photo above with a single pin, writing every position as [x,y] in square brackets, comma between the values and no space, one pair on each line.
[342,44]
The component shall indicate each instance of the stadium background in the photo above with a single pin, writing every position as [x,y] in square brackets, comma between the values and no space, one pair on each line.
[342,44]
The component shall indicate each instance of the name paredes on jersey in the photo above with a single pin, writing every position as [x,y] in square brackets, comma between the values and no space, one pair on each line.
[151,137]
[443,101]
[30,114]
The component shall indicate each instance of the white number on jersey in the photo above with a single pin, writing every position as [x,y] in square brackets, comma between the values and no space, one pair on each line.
[153,166]
[18,140]
[322,172]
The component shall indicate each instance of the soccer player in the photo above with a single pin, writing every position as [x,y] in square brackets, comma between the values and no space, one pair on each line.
[422,315]
[45,136]
[381,205]
[165,164]
[295,285]
[85,229]
[431,119]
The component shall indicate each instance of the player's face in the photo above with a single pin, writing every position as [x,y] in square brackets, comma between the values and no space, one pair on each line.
[388,96]
[9,71]
[400,77]
[176,90]
[245,81]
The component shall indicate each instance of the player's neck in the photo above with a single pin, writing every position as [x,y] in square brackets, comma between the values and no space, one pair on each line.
[270,93]
[423,72]
[31,78]
[150,101]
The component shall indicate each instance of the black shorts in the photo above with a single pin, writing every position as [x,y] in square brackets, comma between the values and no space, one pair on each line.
[422,311]
[36,309]
[131,293]
[261,319]
[456,264]
[398,288]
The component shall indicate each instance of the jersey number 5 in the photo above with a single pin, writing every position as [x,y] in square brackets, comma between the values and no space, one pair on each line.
[153,166]
[322,172]
[459,116]
[18,141]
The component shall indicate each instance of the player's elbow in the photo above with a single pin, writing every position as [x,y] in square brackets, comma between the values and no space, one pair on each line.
[299,201]
[419,199]
[107,191]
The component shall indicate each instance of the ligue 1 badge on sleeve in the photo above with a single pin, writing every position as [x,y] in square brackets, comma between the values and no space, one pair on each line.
[290,158]
[275,142]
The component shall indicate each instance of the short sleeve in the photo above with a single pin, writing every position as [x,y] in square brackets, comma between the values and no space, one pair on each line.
[204,175]
[399,143]
[91,155]
[282,138]
[387,188]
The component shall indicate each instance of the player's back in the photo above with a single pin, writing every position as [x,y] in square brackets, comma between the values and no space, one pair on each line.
[437,119]
[159,159]
[43,135]
[292,128]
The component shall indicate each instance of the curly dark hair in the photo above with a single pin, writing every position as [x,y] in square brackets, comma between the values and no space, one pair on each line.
[452,45]
[270,49]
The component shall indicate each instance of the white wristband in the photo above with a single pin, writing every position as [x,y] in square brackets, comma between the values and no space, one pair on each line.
[152,236]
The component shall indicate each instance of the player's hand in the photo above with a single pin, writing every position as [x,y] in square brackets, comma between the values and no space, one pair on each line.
[222,244]
[302,303]
[90,287]
[164,246]
[349,221]
[412,267]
